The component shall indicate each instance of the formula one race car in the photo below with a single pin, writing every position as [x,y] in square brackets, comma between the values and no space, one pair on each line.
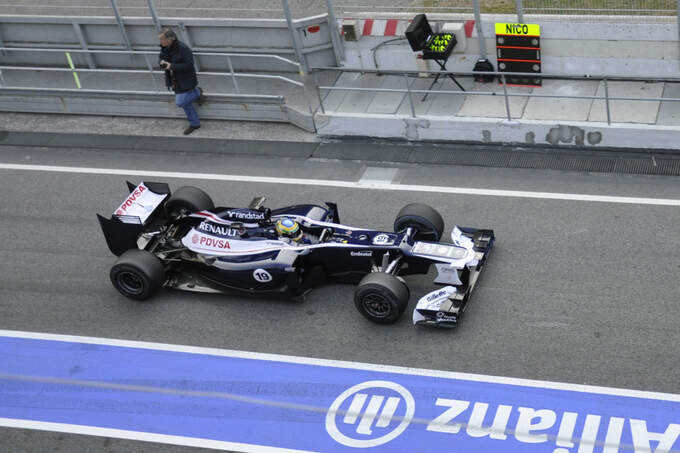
[183,241]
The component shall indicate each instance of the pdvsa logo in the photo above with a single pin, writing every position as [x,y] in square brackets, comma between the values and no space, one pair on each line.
[370,414]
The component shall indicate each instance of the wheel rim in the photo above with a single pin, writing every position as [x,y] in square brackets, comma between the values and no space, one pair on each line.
[130,282]
[376,305]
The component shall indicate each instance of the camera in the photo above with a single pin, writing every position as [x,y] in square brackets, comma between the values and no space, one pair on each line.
[164,65]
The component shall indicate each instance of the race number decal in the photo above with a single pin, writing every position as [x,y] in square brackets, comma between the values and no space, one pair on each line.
[383,239]
[262,276]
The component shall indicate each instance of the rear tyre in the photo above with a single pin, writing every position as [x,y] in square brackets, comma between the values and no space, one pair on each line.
[427,222]
[137,274]
[186,200]
[381,298]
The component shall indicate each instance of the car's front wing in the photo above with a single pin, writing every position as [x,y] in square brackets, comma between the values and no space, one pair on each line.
[444,306]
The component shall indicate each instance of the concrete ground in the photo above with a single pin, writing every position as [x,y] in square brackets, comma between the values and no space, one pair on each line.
[482,100]
[169,127]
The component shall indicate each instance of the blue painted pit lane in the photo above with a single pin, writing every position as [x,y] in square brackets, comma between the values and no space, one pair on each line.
[254,400]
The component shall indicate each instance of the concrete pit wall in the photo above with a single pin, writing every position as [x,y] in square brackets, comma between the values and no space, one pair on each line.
[568,46]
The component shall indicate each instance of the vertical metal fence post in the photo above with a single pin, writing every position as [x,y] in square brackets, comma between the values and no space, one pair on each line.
[361,60]
[83,44]
[304,69]
[410,98]
[678,17]
[154,16]
[507,101]
[335,33]
[308,90]
[157,26]
[318,93]
[233,77]
[606,101]
[3,52]
[480,32]
[190,43]
[153,77]
[520,12]
[121,25]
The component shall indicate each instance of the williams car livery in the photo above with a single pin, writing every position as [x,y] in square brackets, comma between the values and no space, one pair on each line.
[181,240]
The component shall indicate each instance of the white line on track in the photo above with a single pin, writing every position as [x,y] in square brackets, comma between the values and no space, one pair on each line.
[347,184]
[342,364]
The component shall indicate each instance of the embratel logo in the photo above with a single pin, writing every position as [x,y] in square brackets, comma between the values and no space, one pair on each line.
[370,414]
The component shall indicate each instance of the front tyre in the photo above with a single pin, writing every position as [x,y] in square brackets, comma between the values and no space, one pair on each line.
[381,298]
[187,199]
[137,274]
[427,222]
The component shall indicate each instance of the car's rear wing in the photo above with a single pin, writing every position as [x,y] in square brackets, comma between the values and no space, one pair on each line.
[134,215]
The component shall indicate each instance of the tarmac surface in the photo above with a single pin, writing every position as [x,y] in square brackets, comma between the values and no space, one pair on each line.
[574,291]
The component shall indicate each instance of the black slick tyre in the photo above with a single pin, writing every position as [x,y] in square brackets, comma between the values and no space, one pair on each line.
[381,298]
[423,218]
[187,199]
[137,274]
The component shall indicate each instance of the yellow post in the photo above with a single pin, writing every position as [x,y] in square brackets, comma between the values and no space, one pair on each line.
[75,74]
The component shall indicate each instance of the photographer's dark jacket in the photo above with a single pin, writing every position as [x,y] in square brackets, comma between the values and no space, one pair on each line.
[182,74]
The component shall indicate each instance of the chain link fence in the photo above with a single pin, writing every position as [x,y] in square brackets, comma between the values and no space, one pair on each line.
[632,11]
[639,11]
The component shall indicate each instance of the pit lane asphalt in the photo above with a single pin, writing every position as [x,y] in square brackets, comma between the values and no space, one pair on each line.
[574,291]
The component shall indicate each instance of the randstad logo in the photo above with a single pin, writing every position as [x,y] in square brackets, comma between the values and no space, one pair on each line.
[369,414]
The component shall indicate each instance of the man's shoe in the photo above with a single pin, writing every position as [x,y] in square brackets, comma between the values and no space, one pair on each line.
[201,98]
[189,129]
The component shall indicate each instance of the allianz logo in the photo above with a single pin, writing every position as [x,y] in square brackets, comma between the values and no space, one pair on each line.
[375,412]
[375,408]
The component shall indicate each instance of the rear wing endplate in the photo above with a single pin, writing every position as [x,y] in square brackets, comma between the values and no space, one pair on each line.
[130,219]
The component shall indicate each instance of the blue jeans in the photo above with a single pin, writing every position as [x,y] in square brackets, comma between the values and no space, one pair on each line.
[184,100]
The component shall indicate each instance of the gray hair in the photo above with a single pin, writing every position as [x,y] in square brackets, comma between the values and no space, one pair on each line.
[167,33]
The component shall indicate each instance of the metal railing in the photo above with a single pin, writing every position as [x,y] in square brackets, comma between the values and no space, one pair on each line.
[272,9]
[638,11]
[408,91]
[150,67]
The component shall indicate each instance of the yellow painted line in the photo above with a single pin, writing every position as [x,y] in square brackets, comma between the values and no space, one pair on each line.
[73,68]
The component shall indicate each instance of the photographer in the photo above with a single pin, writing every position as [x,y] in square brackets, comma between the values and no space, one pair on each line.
[177,60]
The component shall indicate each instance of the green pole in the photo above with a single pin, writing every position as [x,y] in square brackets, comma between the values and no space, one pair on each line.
[73,68]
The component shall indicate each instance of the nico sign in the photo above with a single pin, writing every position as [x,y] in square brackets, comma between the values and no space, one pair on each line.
[518,49]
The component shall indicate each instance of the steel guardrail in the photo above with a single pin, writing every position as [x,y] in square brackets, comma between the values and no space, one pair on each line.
[501,76]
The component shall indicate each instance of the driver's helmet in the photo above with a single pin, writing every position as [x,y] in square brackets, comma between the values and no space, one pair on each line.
[289,228]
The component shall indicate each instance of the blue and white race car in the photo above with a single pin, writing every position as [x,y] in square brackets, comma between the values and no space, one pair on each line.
[181,240]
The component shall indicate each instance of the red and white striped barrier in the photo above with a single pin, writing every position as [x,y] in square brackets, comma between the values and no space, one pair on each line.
[395,27]
[384,27]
